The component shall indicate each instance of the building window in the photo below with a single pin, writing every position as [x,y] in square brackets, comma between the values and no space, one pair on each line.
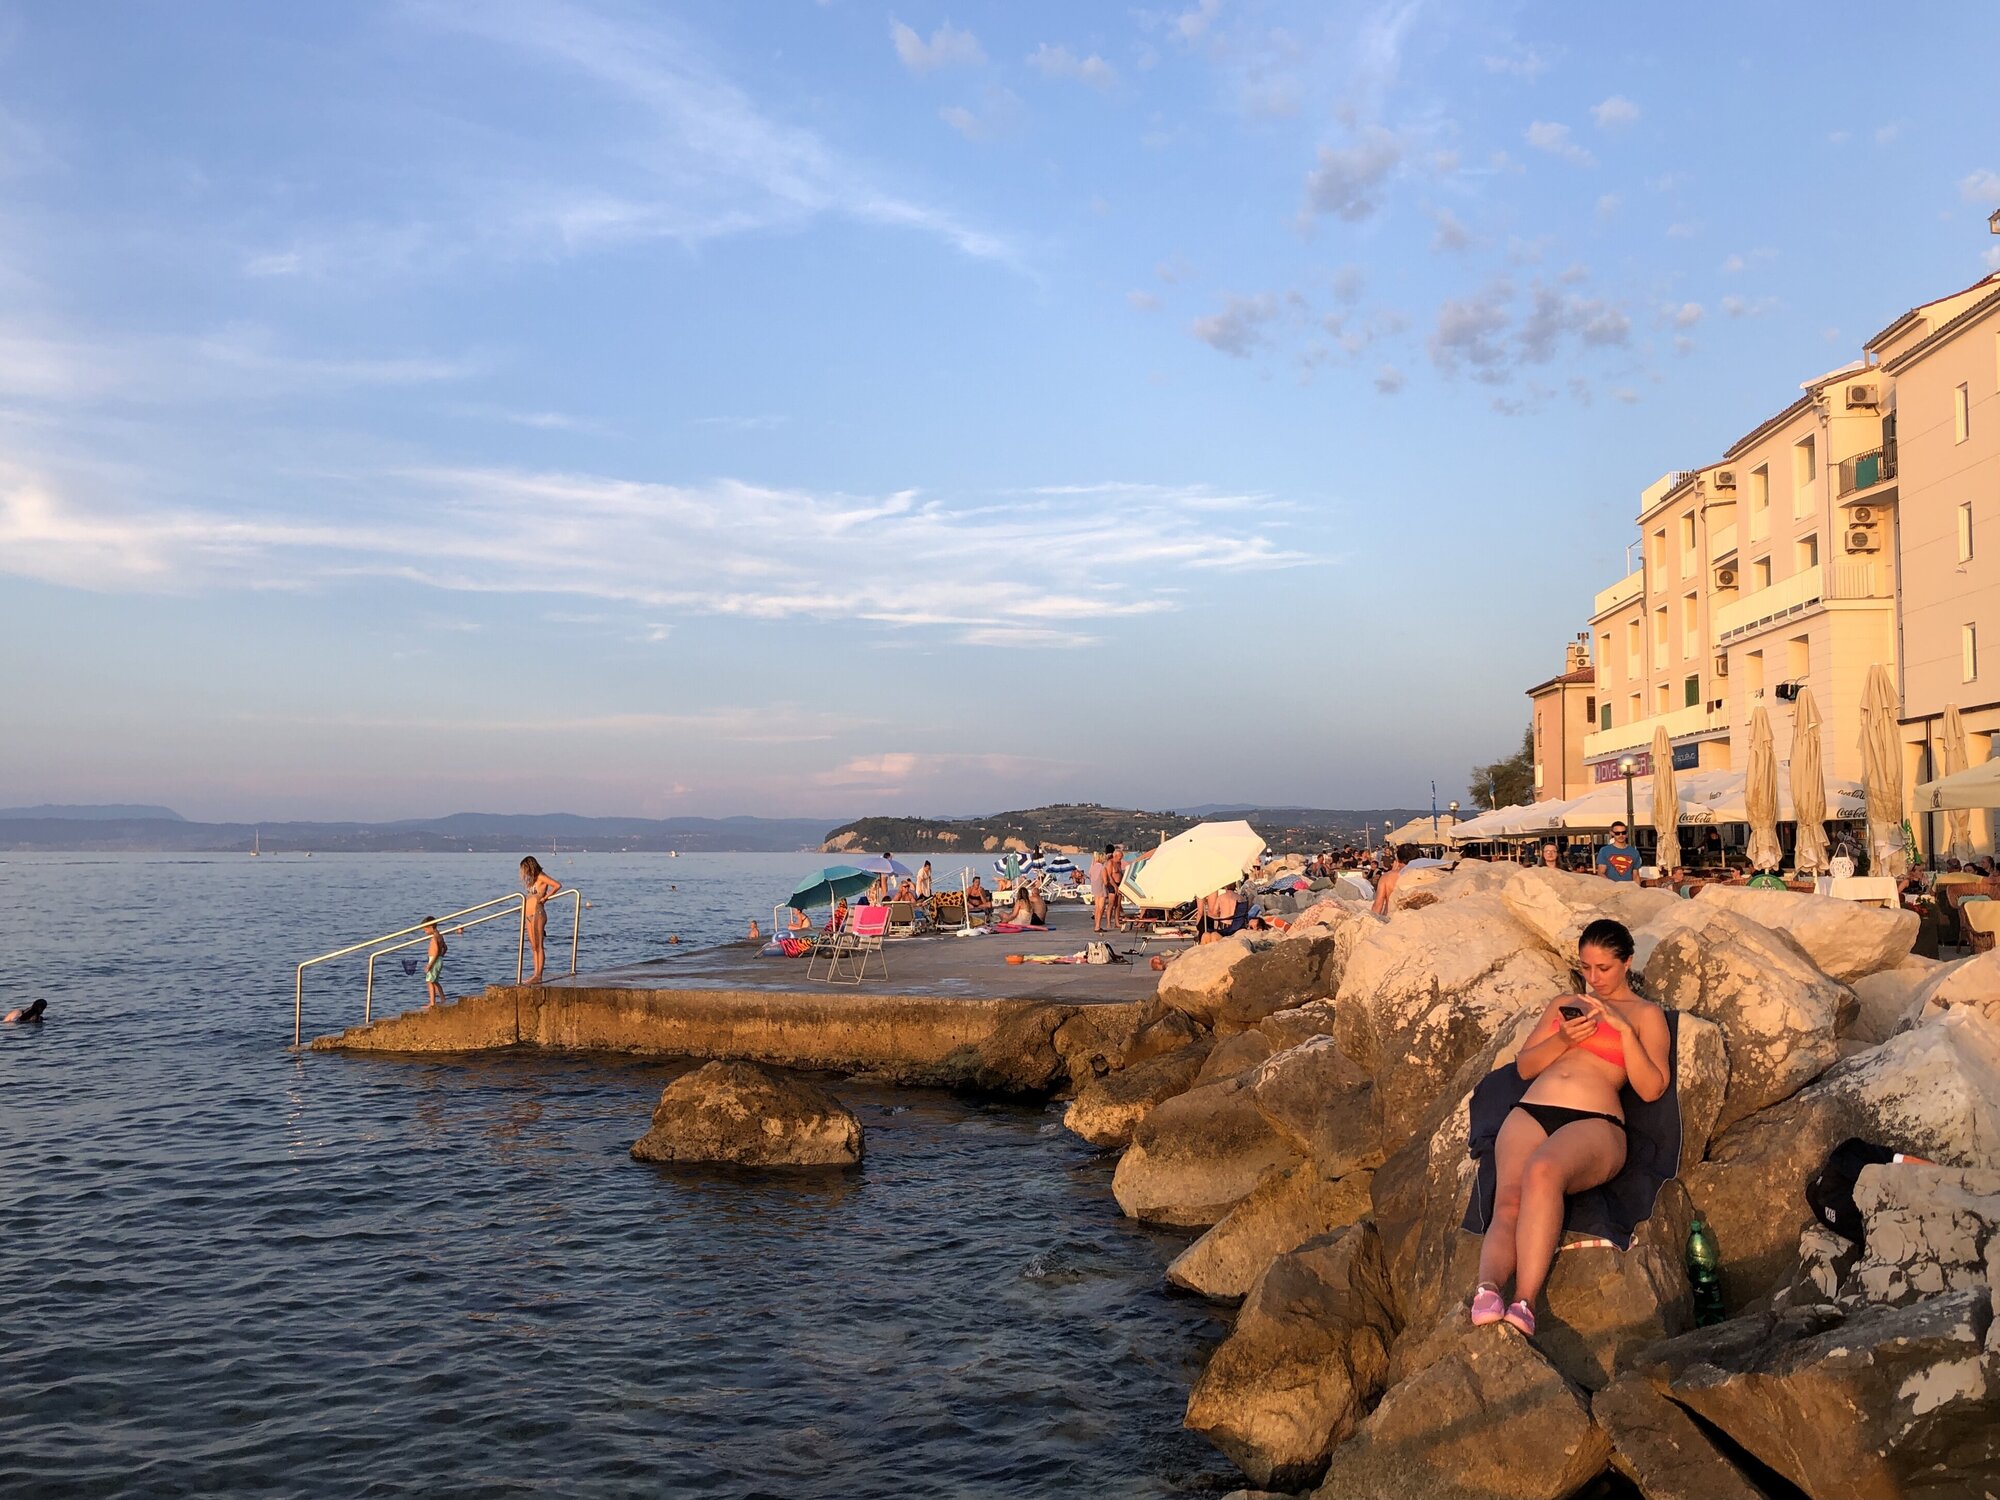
[1753,673]
[1808,553]
[1590,710]
[1760,502]
[1760,574]
[1688,553]
[1805,468]
[1968,650]
[1660,634]
[1798,658]
[1635,649]
[1690,619]
[1664,697]
[1965,532]
[1692,690]
[1638,706]
[1604,715]
[1961,414]
[1656,555]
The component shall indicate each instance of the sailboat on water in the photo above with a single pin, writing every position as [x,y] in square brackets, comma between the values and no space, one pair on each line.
[256,843]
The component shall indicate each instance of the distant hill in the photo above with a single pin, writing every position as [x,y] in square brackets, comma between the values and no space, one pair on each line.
[461,833]
[99,812]
[1090,825]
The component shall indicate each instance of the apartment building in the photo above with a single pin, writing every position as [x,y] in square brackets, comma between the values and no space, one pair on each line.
[1564,711]
[1941,491]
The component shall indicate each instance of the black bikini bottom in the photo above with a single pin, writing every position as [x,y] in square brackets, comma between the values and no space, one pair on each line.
[1552,1117]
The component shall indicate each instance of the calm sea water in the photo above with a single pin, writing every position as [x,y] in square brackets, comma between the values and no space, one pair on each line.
[233,1269]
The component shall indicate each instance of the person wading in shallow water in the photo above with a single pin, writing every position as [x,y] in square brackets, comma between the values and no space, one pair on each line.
[1568,1132]
[534,910]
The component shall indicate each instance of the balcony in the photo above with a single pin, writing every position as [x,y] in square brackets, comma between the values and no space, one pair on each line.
[1637,735]
[1721,542]
[1864,471]
[1785,597]
[1624,591]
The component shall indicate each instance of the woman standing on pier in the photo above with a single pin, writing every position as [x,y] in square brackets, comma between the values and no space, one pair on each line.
[534,909]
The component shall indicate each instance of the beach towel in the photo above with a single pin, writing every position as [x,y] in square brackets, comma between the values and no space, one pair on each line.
[1652,1153]
[1016,927]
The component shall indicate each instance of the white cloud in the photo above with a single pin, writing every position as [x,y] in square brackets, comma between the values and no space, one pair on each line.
[1389,380]
[1547,135]
[1191,24]
[1000,114]
[1981,187]
[1735,264]
[1607,207]
[1686,315]
[1239,327]
[1036,566]
[1886,134]
[1143,301]
[948,47]
[1060,62]
[1682,231]
[1614,112]
[1743,307]
[1451,234]
[1520,62]
[1347,180]
[1482,334]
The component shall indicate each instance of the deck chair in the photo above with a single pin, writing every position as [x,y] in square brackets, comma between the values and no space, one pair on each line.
[947,909]
[826,947]
[863,940]
[902,919]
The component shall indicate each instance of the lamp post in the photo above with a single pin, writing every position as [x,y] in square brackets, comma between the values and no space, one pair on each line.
[1626,766]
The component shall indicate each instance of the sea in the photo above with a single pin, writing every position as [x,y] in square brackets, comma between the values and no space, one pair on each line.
[232,1268]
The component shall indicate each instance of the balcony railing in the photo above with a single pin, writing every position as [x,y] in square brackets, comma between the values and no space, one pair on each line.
[1681,721]
[1781,598]
[1866,470]
[1721,542]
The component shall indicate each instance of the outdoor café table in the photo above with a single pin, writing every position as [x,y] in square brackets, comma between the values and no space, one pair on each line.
[1868,890]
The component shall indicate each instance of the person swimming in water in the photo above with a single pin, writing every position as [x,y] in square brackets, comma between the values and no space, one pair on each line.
[1568,1132]
[28,1015]
[534,909]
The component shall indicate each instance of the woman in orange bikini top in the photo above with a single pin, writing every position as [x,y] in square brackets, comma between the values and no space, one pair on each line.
[1568,1132]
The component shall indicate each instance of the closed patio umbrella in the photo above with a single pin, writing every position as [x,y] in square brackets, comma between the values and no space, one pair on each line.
[1194,864]
[1959,844]
[1760,789]
[1666,804]
[1808,785]
[1882,773]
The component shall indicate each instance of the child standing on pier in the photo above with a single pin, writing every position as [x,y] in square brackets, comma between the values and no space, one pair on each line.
[434,964]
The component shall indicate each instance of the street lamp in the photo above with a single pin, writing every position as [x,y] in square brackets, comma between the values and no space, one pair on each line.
[1626,766]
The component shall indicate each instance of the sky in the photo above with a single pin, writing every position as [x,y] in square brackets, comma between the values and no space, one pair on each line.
[823,409]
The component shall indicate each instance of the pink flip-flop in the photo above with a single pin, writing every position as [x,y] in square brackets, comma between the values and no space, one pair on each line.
[1487,1306]
[1522,1316]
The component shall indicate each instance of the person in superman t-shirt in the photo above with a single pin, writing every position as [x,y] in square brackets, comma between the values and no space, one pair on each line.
[1617,859]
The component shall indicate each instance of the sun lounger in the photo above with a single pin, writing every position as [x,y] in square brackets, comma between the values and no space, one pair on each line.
[902,919]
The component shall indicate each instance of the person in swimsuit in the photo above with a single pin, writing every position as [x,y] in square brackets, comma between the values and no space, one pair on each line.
[28,1015]
[1568,1132]
[1099,863]
[1114,883]
[540,886]
[433,963]
[1385,888]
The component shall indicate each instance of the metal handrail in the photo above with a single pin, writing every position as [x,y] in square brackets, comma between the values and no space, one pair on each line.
[515,902]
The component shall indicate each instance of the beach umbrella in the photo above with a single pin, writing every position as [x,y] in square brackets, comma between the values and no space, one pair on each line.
[1808,785]
[1882,773]
[1959,844]
[1977,787]
[881,864]
[1760,794]
[1194,864]
[1061,864]
[830,885]
[1666,803]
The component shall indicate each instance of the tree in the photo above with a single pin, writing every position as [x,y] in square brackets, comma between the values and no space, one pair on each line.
[1508,782]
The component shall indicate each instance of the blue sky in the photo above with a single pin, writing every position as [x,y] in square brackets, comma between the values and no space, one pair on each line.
[826,408]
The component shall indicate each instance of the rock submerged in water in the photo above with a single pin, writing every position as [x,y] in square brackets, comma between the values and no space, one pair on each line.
[744,1115]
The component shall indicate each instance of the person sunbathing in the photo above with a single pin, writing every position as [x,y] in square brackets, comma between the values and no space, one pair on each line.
[977,897]
[1568,1132]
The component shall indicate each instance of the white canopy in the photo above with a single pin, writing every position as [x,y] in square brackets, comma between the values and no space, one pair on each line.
[1977,787]
[1726,800]
[1424,830]
[1193,864]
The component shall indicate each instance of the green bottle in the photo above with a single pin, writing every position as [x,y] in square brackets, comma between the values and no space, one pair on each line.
[1704,1263]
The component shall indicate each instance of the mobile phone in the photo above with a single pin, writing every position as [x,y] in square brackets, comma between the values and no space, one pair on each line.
[1572,1012]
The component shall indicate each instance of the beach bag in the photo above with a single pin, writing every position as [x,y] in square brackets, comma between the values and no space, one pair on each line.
[1831,1191]
[1097,953]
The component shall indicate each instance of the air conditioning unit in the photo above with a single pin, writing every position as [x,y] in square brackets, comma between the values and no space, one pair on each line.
[1722,664]
[1725,578]
[1787,692]
[1862,539]
[1861,515]
[1725,479]
[1860,397]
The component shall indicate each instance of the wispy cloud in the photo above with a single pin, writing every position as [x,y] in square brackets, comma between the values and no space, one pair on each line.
[1059,62]
[948,47]
[1554,138]
[1239,327]
[1346,181]
[1981,187]
[1614,112]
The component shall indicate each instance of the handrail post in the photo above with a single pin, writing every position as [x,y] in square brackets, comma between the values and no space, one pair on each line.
[521,946]
[298,1004]
[368,995]
[576,929]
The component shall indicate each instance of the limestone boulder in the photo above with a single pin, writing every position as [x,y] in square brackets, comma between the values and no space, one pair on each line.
[1559,904]
[1969,983]
[1779,1015]
[1929,1230]
[1489,1419]
[1233,984]
[1843,938]
[1933,1091]
[1107,1110]
[1884,1402]
[1702,1076]
[1197,1155]
[745,1115]
[1886,1003]
[1425,992]
[1320,1101]
[1282,1212]
[1287,1028]
[1233,1055]
[1167,1032]
[1308,1353]
[1662,1450]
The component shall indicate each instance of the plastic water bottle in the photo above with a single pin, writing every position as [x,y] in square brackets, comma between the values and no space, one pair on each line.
[1704,1262]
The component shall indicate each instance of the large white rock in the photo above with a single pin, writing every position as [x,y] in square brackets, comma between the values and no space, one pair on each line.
[1233,984]
[1780,1016]
[1972,983]
[1845,938]
[1198,1155]
[1424,992]
[1887,1002]
[1929,1230]
[1560,904]
[1284,1211]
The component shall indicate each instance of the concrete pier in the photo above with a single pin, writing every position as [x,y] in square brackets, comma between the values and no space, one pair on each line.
[952,1012]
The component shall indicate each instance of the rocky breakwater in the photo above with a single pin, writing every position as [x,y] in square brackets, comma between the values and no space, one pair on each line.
[739,1114]
[1302,1101]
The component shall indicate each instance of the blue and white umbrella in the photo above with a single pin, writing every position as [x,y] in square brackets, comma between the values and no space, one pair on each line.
[1061,865]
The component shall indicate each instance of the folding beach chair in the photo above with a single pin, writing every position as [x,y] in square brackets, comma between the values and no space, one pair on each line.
[867,926]
[827,944]
[902,919]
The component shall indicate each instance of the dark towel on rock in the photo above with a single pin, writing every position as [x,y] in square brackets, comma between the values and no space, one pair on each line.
[1652,1152]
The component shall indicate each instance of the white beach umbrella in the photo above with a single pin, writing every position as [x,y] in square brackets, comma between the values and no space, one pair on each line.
[1196,863]
[1882,773]
[1808,786]
[1977,787]
[1760,794]
[1666,803]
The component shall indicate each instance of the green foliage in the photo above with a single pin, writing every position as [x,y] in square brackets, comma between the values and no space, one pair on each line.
[1506,783]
